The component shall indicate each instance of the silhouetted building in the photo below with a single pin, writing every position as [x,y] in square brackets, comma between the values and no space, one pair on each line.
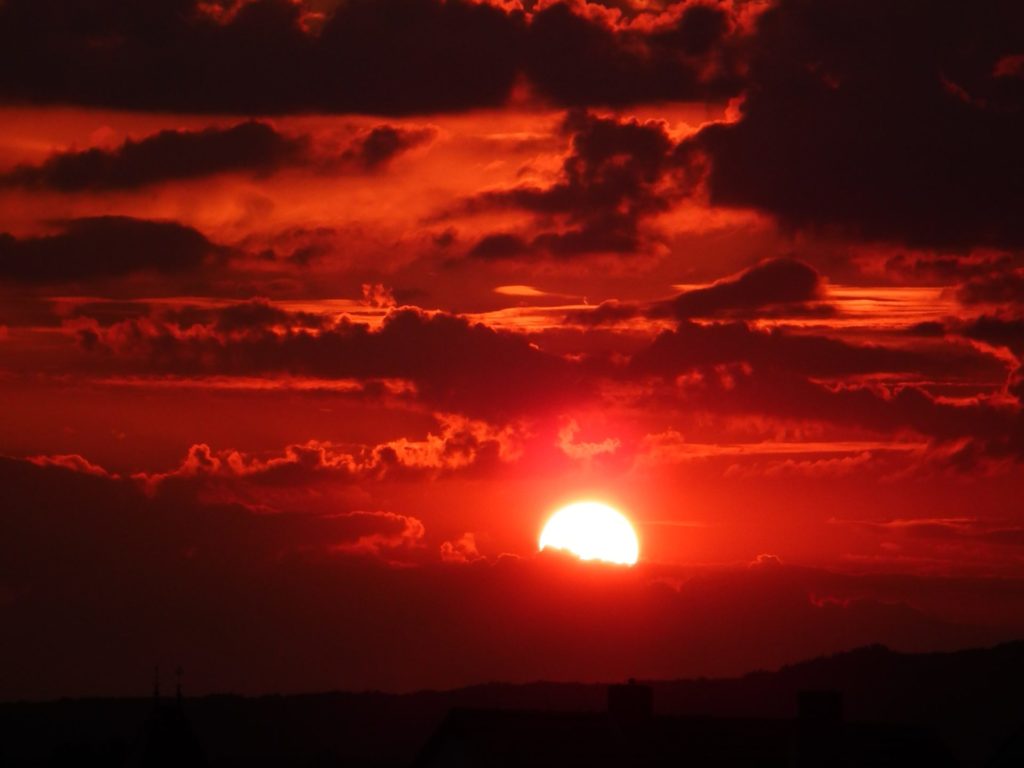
[630,734]
[167,739]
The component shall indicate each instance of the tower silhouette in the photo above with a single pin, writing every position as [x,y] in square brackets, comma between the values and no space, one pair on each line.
[167,739]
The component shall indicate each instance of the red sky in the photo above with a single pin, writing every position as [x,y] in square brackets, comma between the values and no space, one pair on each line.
[312,313]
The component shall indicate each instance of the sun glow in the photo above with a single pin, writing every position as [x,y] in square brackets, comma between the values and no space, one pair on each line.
[592,531]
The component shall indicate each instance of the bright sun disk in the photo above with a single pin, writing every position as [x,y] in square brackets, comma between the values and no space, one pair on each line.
[592,531]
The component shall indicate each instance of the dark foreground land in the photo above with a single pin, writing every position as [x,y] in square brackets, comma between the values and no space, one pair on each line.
[972,700]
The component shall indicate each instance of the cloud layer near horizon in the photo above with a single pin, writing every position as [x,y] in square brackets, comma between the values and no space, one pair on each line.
[169,563]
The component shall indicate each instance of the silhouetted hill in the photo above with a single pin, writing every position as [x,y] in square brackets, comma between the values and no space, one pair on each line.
[974,699]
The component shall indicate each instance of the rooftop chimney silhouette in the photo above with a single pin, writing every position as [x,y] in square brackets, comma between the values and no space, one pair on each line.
[631,703]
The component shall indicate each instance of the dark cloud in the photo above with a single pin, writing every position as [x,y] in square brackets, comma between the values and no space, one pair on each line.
[693,345]
[575,60]
[785,285]
[250,147]
[996,330]
[165,55]
[375,57]
[998,287]
[455,364]
[925,267]
[500,245]
[927,329]
[107,312]
[733,368]
[383,143]
[978,429]
[421,56]
[175,529]
[774,287]
[699,29]
[462,367]
[882,120]
[104,247]
[379,57]
[608,312]
[1008,332]
[610,181]
[241,317]
[457,445]
[962,530]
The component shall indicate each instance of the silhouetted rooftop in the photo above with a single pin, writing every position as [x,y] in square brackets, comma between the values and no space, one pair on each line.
[500,738]
[167,740]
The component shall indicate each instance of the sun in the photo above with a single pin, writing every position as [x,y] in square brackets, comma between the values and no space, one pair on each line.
[592,531]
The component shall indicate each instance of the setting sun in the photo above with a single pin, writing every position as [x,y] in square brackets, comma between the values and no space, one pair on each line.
[592,531]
